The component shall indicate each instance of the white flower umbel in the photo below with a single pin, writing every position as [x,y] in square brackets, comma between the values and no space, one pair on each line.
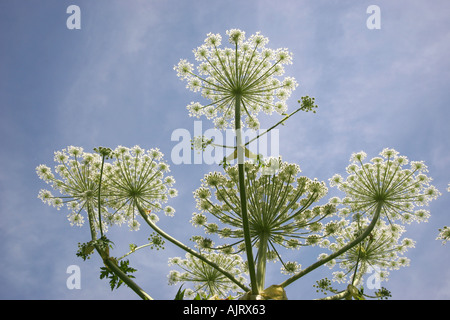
[382,250]
[390,180]
[77,184]
[280,207]
[248,72]
[207,280]
[382,192]
[137,178]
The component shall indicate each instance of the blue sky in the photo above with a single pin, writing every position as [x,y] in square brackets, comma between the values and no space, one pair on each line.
[111,83]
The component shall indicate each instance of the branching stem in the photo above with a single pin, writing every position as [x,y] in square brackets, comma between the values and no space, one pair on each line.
[109,263]
[187,249]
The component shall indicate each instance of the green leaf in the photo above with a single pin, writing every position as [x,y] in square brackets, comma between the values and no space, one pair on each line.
[198,297]
[180,294]
[114,281]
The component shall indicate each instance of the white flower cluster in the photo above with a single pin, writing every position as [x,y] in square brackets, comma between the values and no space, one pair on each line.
[395,185]
[78,185]
[382,250]
[444,232]
[247,71]
[385,181]
[207,280]
[280,208]
[134,178]
[290,268]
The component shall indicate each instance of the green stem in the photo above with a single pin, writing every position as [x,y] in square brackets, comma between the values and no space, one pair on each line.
[360,238]
[261,263]
[91,222]
[112,265]
[136,249]
[274,126]
[242,193]
[187,249]
[99,194]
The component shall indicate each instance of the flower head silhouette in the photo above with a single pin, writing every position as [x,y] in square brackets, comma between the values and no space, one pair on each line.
[76,184]
[385,181]
[246,72]
[206,279]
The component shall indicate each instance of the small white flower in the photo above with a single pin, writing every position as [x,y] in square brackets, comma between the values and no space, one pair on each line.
[357,157]
[444,234]
[173,192]
[290,268]
[184,69]
[339,276]
[169,211]
[236,36]
[213,40]
[118,219]
[76,219]
[134,225]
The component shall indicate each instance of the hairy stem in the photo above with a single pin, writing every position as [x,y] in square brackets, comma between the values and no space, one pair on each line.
[261,263]
[243,197]
[99,195]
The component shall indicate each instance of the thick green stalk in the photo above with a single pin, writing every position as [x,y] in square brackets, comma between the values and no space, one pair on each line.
[187,249]
[319,263]
[112,265]
[91,222]
[99,197]
[261,263]
[242,193]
